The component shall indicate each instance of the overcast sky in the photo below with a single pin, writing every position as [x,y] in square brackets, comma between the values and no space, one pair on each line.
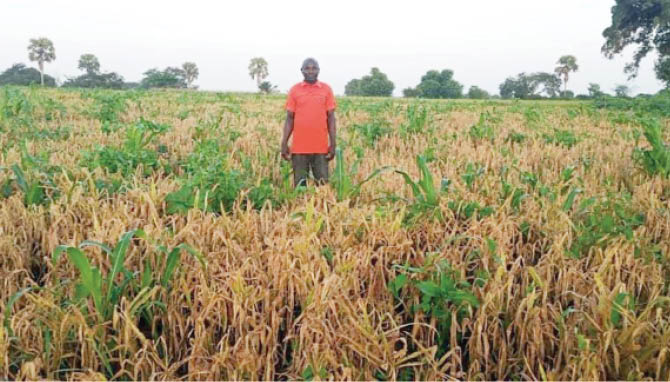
[482,41]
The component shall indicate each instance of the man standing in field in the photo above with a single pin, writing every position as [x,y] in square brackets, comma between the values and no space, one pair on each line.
[310,118]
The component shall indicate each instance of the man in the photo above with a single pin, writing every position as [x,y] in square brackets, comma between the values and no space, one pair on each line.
[310,118]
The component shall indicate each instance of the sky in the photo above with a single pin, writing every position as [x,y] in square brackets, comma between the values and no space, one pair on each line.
[482,41]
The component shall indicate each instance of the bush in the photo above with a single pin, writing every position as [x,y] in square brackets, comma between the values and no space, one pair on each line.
[96,80]
[658,105]
[19,74]
[267,87]
[477,93]
[168,78]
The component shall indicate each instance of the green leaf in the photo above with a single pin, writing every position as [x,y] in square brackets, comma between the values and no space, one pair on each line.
[415,188]
[570,200]
[90,277]
[429,288]
[10,304]
[146,274]
[173,261]
[308,373]
[617,308]
[461,296]
[426,181]
[180,201]
[93,243]
[34,195]
[396,284]
[491,245]
[118,257]
[170,265]
[20,178]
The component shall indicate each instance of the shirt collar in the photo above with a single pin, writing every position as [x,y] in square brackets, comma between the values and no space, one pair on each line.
[305,83]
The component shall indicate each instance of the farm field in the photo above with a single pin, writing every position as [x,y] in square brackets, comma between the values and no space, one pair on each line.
[157,235]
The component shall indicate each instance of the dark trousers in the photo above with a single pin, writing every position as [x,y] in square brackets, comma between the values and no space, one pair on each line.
[303,163]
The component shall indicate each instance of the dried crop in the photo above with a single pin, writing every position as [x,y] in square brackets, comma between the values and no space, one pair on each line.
[507,240]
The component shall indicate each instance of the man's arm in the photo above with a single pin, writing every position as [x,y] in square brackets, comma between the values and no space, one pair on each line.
[332,134]
[288,130]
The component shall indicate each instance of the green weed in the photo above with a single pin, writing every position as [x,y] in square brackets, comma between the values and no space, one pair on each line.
[133,153]
[597,222]
[656,160]
[417,120]
[372,131]
[343,177]
[443,295]
[559,137]
[426,196]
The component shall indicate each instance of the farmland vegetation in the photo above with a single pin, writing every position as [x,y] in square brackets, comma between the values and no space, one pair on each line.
[157,235]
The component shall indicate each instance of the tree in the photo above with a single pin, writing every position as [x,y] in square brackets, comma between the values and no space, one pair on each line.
[19,74]
[191,73]
[171,77]
[642,23]
[525,86]
[89,63]
[522,86]
[410,92]
[594,90]
[93,78]
[353,88]
[258,69]
[567,94]
[622,91]
[96,80]
[267,87]
[566,64]
[477,93]
[376,84]
[436,84]
[551,83]
[507,88]
[41,50]
[662,69]
[430,88]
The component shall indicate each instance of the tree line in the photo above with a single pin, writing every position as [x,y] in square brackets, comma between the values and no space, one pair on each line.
[442,84]
[641,23]
[42,51]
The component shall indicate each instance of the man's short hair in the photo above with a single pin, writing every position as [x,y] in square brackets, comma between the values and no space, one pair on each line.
[308,61]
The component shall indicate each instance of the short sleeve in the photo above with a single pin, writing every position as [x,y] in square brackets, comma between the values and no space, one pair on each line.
[290,101]
[330,100]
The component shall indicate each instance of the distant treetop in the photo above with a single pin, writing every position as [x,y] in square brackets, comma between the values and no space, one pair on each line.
[436,84]
[41,50]
[20,74]
[376,84]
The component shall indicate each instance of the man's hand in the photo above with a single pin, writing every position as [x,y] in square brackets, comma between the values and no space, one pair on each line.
[288,130]
[331,153]
[284,152]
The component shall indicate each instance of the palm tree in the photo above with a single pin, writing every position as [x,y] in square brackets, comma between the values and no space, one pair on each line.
[191,72]
[566,64]
[41,50]
[258,69]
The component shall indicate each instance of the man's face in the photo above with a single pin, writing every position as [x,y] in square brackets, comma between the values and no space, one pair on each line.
[310,71]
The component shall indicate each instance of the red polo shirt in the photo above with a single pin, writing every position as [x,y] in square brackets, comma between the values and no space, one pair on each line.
[310,102]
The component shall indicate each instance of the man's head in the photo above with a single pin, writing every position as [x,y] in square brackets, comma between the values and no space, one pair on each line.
[310,70]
